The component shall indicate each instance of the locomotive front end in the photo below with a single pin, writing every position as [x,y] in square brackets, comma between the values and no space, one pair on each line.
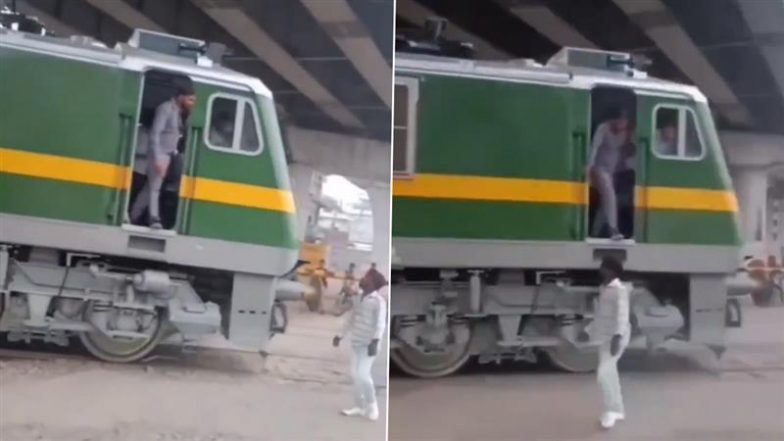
[83,253]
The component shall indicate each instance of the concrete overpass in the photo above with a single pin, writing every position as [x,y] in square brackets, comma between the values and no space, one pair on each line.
[733,50]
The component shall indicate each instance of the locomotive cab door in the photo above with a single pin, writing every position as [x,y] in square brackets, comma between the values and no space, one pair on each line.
[158,87]
[673,150]
[225,166]
[612,160]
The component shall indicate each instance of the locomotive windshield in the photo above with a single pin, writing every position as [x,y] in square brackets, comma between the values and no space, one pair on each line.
[677,135]
[233,125]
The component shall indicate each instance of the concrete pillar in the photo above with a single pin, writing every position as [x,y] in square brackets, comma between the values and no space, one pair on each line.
[775,226]
[379,194]
[301,178]
[349,156]
[751,187]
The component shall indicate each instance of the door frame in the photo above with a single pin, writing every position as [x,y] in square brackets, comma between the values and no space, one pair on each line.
[649,101]
[586,153]
[126,206]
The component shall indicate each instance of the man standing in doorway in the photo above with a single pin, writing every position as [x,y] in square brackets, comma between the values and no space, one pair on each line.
[167,129]
[607,150]
[366,324]
[612,330]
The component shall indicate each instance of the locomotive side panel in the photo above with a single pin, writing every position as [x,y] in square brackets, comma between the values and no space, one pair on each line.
[239,196]
[685,200]
[62,152]
[502,148]
[71,263]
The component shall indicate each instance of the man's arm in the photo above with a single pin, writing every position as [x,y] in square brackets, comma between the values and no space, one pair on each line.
[158,124]
[344,330]
[596,144]
[621,309]
[347,324]
[380,319]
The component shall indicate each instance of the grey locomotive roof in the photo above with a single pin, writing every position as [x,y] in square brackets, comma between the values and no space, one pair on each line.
[126,57]
[528,71]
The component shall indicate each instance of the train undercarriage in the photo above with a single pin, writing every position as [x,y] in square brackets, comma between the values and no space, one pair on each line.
[119,309]
[443,318]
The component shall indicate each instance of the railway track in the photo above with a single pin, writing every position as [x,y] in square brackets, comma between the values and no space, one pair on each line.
[163,356]
[29,354]
[9,351]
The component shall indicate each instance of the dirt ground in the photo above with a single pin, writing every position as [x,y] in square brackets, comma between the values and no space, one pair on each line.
[684,395]
[295,394]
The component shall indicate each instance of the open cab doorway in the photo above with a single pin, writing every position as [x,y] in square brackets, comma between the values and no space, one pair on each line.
[612,163]
[158,88]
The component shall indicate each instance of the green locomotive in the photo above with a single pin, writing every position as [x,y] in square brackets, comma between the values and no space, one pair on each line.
[496,233]
[75,117]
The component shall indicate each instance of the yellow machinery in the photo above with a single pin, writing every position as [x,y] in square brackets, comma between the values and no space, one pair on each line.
[312,253]
[312,274]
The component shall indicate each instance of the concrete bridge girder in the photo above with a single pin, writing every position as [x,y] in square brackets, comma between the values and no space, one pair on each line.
[358,159]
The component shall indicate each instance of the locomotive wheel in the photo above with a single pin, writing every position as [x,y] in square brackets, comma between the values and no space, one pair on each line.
[421,365]
[569,358]
[417,364]
[113,350]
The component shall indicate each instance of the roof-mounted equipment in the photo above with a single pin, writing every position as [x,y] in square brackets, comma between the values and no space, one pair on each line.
[619,62]
[12,19]
[203,53]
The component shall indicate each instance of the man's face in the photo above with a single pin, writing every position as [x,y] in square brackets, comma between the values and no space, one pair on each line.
[606,273]
[620,124]
[225,127]
[669,134]
[187,102]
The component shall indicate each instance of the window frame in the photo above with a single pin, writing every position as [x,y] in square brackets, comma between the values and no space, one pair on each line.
[412,91]
[239,116]
[682,109]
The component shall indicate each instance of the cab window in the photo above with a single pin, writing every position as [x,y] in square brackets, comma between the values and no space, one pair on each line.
[233,125]
[404,148]
[677,135]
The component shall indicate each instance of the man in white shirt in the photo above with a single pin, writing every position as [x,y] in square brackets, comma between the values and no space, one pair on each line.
[366,324]
[611,329]
[606,155]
